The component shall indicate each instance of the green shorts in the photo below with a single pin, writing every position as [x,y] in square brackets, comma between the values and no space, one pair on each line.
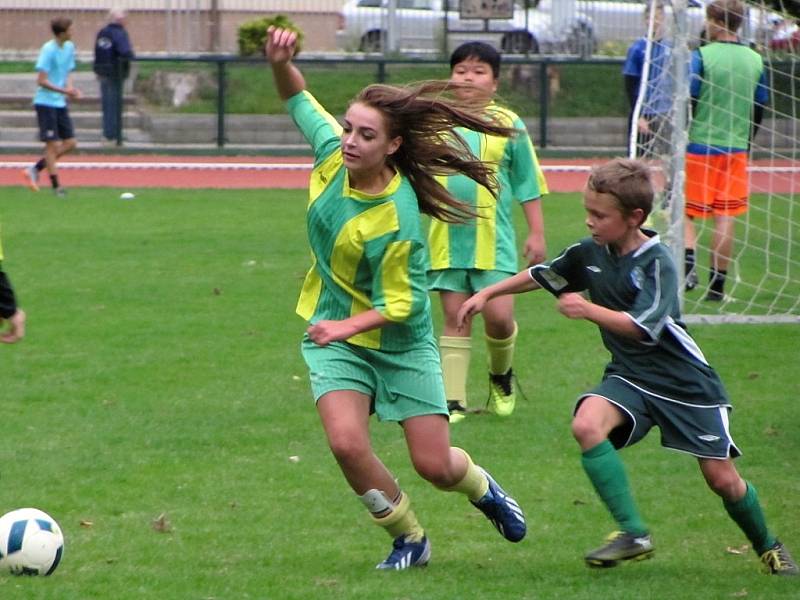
[467,281]
[698,430]
[401,384]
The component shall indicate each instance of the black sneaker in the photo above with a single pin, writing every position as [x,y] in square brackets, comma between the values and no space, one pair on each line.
[714,296]
[621,546]
[778,561]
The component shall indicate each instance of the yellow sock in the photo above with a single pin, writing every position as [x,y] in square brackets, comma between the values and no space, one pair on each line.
[501,353]
[455,353]
[474,483]
[402,521]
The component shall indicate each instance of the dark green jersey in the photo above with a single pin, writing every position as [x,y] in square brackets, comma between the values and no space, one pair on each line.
[368,249]
[644,285]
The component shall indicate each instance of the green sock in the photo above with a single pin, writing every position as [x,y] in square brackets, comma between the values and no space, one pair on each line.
[747,514]
[606,472]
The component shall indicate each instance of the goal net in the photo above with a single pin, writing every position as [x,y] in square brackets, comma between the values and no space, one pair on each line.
[692,119]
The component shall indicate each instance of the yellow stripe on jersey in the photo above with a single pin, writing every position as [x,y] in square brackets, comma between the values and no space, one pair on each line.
[309,296]
[396,284]
[322,174]
[346,256]
[492,149]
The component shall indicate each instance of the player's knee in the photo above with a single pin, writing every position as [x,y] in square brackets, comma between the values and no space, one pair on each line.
[587,430]
[726,484]
[435,471]
[348,448]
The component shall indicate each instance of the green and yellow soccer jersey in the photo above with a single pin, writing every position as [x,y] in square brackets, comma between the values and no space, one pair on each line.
[644,285]
[368,250]
[489,242]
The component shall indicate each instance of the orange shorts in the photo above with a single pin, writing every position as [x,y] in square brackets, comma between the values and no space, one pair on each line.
[716,184]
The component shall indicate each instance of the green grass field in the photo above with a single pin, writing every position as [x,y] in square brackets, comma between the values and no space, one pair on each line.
[161,377]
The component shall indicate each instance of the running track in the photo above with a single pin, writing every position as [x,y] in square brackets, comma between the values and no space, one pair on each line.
[147,171]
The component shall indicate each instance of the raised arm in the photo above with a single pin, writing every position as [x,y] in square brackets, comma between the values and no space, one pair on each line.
[516,284]
[280,49]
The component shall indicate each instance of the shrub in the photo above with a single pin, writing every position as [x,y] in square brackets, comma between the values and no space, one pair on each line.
[252,35]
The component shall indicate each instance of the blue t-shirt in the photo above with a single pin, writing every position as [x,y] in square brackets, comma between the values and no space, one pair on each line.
[57,61]
[658,97]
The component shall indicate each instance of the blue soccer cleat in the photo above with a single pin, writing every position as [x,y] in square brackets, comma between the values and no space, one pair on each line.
[503,511]
[407,554]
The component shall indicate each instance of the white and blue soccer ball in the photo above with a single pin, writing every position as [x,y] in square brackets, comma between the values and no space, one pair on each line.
[31,542]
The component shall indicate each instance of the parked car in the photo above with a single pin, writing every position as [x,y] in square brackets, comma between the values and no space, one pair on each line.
[623,20]
[420,25]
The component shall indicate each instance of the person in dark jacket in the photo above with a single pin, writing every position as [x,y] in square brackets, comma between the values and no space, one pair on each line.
[112,55]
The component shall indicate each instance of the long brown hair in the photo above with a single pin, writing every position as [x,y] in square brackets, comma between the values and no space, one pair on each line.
[425,115]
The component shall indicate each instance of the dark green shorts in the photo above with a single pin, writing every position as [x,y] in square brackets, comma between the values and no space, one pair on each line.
[467,281]
[401,384]
[702,431]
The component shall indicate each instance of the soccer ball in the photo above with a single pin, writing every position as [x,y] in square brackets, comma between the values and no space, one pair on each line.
[31,542]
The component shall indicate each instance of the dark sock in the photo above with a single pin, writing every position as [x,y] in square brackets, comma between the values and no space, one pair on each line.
[54,181]
[40,165]
[688,261]
[747,514]
[716,280]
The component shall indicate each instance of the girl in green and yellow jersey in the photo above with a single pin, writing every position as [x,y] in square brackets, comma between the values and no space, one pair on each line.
[369,345]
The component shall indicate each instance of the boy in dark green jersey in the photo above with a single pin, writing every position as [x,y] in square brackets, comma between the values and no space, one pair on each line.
[729,91]
[9,311]
[369,345]
[466,257]
[657,376]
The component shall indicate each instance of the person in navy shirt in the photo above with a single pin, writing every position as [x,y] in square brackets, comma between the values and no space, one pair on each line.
[112,55]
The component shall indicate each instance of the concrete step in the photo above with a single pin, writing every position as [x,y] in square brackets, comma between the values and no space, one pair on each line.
[80,119]
[23,84]
[20,102]
[31,135]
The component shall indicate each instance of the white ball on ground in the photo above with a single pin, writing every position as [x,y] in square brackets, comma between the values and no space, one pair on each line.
[127,196]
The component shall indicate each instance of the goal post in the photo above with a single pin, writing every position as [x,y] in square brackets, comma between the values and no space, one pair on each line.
[756,253]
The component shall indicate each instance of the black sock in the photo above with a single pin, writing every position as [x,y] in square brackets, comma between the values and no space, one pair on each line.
[54,181]
[688,261]
[716,280]
[40,165]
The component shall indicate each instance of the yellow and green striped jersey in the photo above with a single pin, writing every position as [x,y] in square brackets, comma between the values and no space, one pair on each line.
[368,250]
[489,242]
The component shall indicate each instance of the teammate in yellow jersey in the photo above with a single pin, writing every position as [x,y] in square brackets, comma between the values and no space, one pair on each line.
[369,346]
[467,257]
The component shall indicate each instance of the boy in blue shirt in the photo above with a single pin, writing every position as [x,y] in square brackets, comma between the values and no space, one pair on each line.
[54,66]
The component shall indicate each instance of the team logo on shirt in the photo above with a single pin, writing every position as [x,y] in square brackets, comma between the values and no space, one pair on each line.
[594,269]
[637,277]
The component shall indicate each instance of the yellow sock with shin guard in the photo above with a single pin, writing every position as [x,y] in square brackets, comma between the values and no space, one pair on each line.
[455,353]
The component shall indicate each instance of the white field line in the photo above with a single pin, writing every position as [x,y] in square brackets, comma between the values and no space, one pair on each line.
[289,166]
[216,166]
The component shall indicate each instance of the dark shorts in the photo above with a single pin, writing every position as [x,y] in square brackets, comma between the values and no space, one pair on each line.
[54,123]
[8,304]
[702,431]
